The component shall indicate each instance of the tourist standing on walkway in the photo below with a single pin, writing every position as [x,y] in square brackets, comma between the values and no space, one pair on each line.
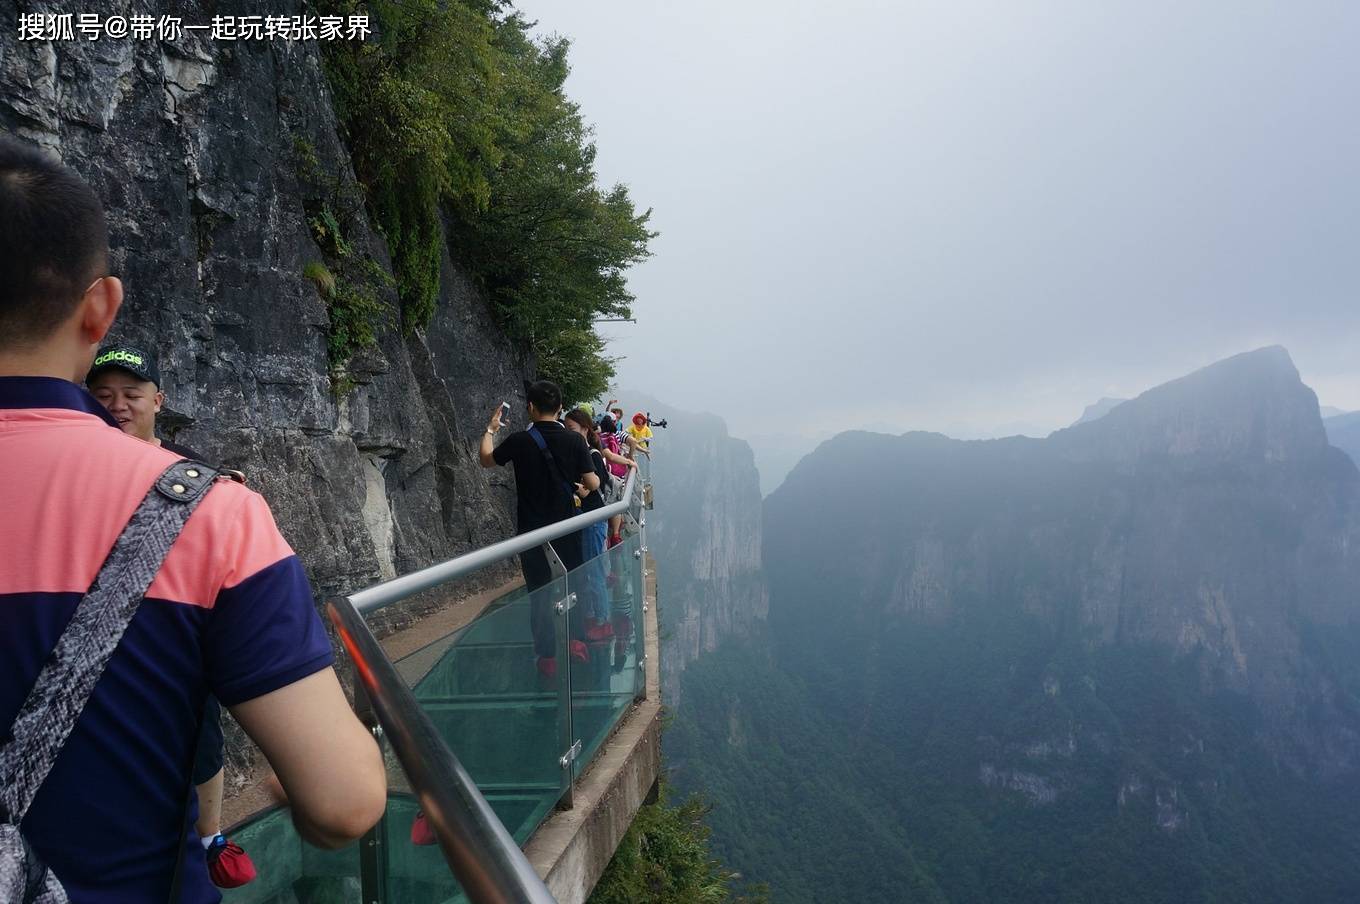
[640,431]
[126,380]
[593,537]
[619,466]
[228,612]
[552,465]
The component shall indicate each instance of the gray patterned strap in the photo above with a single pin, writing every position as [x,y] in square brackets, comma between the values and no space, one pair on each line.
[68,678]
[23,877]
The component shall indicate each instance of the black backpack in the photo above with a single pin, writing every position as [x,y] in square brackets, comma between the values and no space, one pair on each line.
[606,476]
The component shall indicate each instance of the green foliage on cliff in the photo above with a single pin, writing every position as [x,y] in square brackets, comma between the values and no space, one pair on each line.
[351,284]
[664,859]
[926,777]
[457,122]
[552,247]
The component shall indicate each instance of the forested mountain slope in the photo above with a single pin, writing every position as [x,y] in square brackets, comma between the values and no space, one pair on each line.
[1116,664]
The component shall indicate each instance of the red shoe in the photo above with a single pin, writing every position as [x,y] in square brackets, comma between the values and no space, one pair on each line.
[579,651]
[228,865]
[421,833]
[597,630]
[547,666]
[614,541]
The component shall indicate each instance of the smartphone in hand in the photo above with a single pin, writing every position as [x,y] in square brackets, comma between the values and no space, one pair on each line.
[505,413]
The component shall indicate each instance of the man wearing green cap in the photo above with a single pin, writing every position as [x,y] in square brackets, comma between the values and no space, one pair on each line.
[126,380]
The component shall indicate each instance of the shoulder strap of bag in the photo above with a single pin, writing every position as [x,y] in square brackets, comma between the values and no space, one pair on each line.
[75,665]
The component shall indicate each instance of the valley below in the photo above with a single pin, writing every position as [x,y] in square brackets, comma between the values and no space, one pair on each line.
[1118,664]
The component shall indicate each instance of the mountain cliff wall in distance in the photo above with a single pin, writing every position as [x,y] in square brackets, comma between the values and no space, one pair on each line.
[1119,664]
[705,534]
[1343,431]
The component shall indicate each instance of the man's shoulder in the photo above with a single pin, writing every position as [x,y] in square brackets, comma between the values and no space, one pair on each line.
[511,447]
[516,438]
[182,451]
[571,440]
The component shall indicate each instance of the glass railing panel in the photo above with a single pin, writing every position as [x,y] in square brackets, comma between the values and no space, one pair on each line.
[630,600]
[418,872]
[290,871]
[608,593]
[510,691]
[293,872]
[493,695]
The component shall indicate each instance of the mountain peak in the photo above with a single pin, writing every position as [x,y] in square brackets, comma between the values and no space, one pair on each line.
[1097,410]
[1250,406]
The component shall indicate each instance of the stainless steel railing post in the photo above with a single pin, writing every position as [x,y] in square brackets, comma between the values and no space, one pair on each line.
[481,853]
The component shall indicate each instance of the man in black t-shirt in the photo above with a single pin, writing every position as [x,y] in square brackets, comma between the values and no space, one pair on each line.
[552,465]
[126,381]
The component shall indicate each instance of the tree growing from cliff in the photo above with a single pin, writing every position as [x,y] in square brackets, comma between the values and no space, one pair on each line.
[460,130]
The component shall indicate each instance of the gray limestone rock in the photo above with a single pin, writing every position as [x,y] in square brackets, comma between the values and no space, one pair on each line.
[192,145]
[705,534]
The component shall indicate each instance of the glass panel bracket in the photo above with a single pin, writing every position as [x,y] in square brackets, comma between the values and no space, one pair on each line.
[570,756]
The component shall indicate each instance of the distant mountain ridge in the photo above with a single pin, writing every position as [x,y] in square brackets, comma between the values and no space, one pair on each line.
[1343,431]
[1160,521]
[1251,405]
[1098,409]
[705,535]
[1118,664]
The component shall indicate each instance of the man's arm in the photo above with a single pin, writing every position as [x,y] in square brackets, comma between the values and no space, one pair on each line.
[327,762]
[486,454]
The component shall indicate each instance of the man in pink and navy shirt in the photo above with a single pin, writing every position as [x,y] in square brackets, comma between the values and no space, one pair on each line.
[230,612]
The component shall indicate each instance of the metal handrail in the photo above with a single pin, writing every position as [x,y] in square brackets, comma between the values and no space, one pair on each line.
[481,852]
[399,588]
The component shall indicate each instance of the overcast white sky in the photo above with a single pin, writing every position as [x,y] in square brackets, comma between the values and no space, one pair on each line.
[974,216]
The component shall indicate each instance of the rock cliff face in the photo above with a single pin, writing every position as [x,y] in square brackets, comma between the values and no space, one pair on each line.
[705,535]
[1209,516]
[193,145]
[1119,664]
[1343,431]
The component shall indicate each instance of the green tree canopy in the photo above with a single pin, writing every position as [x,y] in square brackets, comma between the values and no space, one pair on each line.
[460,129]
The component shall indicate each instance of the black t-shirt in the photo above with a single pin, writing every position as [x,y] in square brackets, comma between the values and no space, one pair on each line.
[538,498]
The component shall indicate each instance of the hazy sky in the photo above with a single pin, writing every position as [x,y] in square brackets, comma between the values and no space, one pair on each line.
[971,216]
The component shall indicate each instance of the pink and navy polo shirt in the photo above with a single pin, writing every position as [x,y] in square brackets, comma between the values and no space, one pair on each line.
[230,612]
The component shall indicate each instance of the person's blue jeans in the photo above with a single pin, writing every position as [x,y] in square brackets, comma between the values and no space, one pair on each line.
[596,598]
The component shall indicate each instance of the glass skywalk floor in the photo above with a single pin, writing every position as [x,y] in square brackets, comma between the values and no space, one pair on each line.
[506,717]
